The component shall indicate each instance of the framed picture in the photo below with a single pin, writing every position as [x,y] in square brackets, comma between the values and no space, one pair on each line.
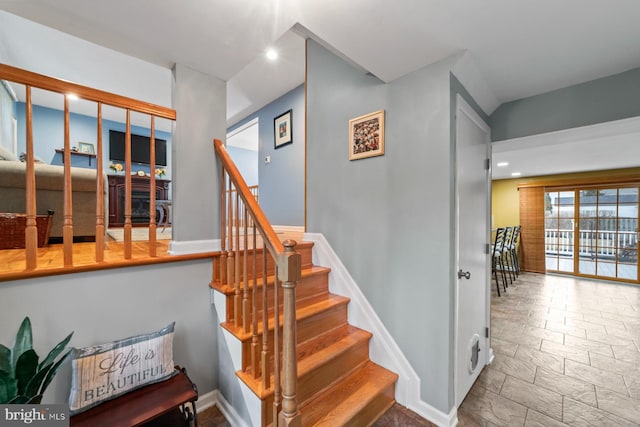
[86,147]
[366,136]
[282,131]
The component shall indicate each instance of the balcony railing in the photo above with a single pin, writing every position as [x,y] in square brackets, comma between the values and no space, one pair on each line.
[599,243]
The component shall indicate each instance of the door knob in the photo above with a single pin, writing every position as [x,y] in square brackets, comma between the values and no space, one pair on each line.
[466,275]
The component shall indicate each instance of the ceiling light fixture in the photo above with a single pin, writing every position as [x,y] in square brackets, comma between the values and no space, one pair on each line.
[272,54]
[502,164]
[516,173]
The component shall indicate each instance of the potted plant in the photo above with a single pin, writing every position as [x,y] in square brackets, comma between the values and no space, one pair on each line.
[22,379]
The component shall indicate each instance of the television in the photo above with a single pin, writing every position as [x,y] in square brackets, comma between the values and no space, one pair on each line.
[139,148]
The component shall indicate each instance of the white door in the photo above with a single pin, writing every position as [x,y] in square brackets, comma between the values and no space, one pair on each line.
[472,237]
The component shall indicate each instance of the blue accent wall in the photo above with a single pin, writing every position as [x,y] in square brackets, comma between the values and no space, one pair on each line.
[282,180]
[48,135]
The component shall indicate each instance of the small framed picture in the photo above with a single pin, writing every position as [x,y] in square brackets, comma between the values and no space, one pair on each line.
[282,131]
[366,136]
[86,147]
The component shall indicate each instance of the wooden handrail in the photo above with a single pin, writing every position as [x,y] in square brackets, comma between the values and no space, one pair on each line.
[262,223]
[288,267]
[29,78]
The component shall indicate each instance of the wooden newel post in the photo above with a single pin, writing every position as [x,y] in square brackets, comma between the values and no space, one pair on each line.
[289,268]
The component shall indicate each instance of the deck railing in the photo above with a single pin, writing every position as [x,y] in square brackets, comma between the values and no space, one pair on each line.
[591,242]
[33,80]
[236,265]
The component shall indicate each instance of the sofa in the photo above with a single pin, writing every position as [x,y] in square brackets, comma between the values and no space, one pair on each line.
[50,196]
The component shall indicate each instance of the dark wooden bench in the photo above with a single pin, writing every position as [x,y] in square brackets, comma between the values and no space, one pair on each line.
[145,405]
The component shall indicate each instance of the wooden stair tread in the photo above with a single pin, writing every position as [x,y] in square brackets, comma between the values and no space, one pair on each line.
[304,309]
[315,353]
[337,405]
[229,290]
[338,384]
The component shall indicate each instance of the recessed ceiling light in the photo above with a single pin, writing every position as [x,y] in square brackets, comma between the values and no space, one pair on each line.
[516,173]
[272,54]
[72,97]
[502,164]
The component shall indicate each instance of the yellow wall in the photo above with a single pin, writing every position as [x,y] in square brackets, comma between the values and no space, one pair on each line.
[505,208]
[505,202]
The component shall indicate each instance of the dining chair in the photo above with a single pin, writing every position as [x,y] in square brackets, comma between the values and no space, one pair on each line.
[497,260]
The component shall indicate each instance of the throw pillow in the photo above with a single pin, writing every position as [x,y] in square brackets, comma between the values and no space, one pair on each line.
[7,155]
[106,371]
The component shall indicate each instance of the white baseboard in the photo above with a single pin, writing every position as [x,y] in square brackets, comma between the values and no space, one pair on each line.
[207,400]
[434,415]
[193,247]
[383,349]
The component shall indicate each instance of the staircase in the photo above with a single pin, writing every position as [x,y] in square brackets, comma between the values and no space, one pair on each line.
[299,356]
[337,384]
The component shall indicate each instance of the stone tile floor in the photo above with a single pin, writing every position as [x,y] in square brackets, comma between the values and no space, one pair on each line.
[566,353]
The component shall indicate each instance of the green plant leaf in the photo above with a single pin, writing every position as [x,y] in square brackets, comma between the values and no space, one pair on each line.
[51,357]
[19,400]
[36,381]
[8,387]
[5,359]
[53,371]
[24,342]
[26,368]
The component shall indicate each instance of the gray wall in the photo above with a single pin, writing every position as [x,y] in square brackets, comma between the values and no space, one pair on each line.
[106,305]
[388,217]
[609,98]
[200,102]
[282,180]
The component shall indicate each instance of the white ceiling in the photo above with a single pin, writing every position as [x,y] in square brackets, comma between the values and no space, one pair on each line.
[520,47]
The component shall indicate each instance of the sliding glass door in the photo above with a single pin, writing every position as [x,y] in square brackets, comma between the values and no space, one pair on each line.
[605,242]
[608,243]
[559,222]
